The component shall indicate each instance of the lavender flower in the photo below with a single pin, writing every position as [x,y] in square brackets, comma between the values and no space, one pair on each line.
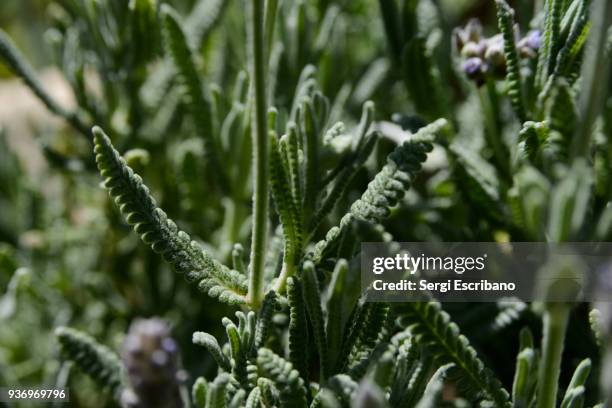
[494,54]
[529,45]
[151,358]
[486,57]
[474,49]
[471,33]
[473,67]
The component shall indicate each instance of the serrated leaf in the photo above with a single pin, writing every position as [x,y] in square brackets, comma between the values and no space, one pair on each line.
[161,233]
[422,79]
[434,329]
[505,19]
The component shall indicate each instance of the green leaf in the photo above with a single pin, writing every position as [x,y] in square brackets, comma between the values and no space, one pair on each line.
[562,113]
[269,393]
[202,19]
[289,146]
[325,398]
[418,375]
[199,392]
[348,167]
[161,233]
[238,258]
[551,44]
[269,24]
[596,323]
[432,397]
[215,395]
[575,389]
[422,80]
[285,205]
[312,299]
[388,186]
[264,320]
[407,368]
[525,377]
[569,55]
[284,376]
[92,358]
[433,328]
[569,205]
[533,137]
[383,367]
[336,310]
[298,328]
[365,336]
[603,230]
[529,199]
[390,17]
[362,331]
[410,18]
[210,343]
[508,311]
[574,398]
[197,95]
[343,180]
[254,398]
[238,352]
[479,178]
[238,399]
[372,80]
[344,387]
[505,20]
[310,121]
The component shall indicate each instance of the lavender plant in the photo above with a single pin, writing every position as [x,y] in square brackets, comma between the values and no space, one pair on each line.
[258,153]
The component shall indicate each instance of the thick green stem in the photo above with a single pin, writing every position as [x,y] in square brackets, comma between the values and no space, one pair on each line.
[260,154]
[555,325]
[270,20]
[595,72]
[287,271]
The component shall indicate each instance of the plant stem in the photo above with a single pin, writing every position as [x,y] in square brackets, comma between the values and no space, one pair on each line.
[270,20]
[287,270]
[595,76]
[555,325]
[260,155]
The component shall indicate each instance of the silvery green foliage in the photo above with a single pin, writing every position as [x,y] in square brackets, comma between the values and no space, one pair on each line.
[161,233]
[96,360]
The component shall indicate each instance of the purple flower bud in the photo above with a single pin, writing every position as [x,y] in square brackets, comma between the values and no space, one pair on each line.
[151,358]
[473,49]
[533,39]
[169,345]
[473,67]
[529,45]
[472,32]
[494,55]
